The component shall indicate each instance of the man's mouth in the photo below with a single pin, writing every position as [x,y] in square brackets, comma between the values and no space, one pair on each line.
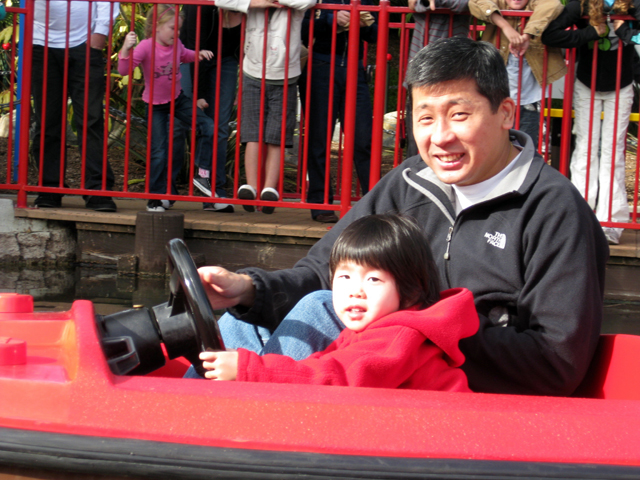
[452,158]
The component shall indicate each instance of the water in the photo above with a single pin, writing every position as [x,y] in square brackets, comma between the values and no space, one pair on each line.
[55,290]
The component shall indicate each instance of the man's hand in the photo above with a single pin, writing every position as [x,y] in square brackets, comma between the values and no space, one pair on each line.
[412,4]
[343,18]
[205,55]
[432,5]
[202,104]
[220,365]
[226,289]
[98,41]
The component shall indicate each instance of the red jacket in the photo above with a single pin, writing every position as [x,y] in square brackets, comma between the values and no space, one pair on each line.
[415,349]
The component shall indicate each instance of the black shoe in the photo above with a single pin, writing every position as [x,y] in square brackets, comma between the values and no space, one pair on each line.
[100,204]
[203,184]
[326,218]
[48,200]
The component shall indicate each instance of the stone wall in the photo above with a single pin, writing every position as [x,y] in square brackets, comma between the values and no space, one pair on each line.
[26,241]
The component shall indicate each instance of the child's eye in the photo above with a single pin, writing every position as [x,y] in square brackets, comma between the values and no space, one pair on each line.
[344,276]
[374,279]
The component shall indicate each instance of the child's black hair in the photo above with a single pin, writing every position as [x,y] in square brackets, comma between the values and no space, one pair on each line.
[396,244]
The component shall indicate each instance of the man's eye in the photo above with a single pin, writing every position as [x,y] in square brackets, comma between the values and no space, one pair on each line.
[460,115]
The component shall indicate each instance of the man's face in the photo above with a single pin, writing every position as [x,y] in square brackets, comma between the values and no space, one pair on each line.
[457,133]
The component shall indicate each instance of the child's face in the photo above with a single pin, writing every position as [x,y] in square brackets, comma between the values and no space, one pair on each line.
[165,33]
[362,294]
[517,4]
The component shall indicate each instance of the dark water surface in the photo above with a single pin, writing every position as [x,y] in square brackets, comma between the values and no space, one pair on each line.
[55,290]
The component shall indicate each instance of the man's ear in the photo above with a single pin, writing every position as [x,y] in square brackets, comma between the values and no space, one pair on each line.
[508,111]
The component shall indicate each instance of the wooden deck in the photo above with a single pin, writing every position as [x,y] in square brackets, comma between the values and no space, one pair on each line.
[241,239]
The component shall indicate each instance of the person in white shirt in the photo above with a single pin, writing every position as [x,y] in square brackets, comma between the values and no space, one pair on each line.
[49,44]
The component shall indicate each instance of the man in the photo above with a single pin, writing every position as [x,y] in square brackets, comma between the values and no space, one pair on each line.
[323,48]
[500,222]
[51,84]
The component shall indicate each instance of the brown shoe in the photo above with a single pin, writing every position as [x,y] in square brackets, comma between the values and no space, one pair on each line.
[326,218]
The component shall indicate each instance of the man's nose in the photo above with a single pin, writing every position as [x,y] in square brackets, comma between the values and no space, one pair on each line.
[441,133]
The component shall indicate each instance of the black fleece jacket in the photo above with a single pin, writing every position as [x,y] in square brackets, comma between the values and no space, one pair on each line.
[533,254]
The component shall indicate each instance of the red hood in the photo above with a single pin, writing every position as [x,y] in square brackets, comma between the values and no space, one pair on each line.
[444,323]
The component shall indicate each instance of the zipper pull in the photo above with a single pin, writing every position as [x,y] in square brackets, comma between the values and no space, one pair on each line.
[446,254]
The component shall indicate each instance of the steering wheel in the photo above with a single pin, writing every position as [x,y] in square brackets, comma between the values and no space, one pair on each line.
[189,302]
[132,340]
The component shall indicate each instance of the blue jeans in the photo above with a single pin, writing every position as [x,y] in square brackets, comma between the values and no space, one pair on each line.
[160,140]
[530,124]
[317,128]
[228,84]
[309,327]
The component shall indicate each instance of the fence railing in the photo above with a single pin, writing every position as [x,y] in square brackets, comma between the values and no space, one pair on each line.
[127,139]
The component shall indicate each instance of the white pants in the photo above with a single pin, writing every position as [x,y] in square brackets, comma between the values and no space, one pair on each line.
[601,193]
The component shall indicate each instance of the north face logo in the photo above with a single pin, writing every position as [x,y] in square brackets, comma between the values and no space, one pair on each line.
[498,240]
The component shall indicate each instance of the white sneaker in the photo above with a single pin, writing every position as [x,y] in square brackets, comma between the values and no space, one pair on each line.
[167,204]
[271,195]
[218,207]
[612,234]
[155,206]
[247,192]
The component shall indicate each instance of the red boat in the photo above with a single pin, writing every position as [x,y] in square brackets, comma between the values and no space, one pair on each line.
[64,410]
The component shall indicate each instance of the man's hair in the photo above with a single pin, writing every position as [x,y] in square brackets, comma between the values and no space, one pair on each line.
[460,58]
[395,244]
[165,13]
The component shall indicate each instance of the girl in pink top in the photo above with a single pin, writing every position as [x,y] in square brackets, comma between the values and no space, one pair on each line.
[401,332]
[165,75]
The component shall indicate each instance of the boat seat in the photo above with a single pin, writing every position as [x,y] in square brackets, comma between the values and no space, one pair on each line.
[615,369]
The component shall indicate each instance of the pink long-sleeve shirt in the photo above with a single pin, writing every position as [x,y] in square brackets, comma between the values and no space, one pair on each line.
[162,70]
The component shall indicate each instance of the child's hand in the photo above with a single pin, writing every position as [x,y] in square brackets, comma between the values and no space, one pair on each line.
[221,365]
[432,4]
[515,39]
[616,25]
[202,103]
[205,55]
[130,41]
[520,50]
[412,4]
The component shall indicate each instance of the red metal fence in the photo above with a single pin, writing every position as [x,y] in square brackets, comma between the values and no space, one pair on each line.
[127,130]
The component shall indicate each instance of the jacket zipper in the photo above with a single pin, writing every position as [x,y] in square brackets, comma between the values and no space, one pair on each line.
[447,257]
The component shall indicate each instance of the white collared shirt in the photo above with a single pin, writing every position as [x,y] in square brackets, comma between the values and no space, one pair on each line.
[78,18]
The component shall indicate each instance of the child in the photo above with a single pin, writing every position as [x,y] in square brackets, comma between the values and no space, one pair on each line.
[278,32]
[398,335]
[163,54]
[513,45]
[609,36]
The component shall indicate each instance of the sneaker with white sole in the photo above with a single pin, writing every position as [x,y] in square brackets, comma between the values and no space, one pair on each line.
[167,204]
[203,184]
[155,206]
[270,195]
[247,192]
[218,207]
